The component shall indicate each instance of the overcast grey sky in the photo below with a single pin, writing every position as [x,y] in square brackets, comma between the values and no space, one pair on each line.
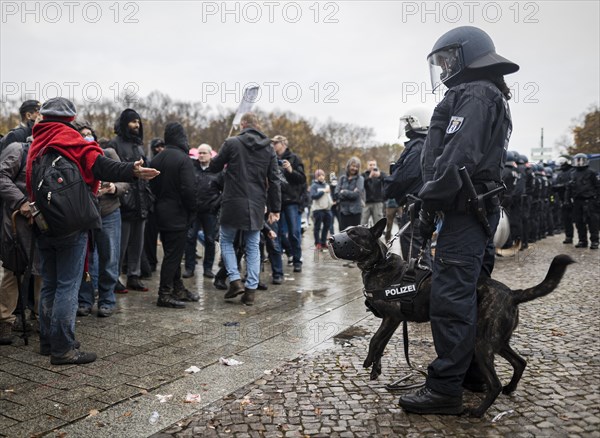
[355,62]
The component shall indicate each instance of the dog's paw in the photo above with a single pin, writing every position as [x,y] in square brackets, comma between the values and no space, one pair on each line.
[508,389]
[374,374]
[368,362]
[476,412]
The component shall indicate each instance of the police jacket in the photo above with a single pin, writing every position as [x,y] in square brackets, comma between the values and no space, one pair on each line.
[470,127]
[292,191]
[250,182]
[510,177]
[583,184]
[374,187]
[406,178]
[209,187]
[174,188]
[563,178]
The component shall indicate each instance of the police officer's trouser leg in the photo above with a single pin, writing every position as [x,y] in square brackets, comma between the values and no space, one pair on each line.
[567,219]
[453,309]
[579,218]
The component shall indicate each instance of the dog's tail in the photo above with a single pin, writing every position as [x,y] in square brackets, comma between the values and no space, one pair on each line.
[553,277]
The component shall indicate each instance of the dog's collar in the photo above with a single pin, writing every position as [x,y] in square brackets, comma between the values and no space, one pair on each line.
[348,249]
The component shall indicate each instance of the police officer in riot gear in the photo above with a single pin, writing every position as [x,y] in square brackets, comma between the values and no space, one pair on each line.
[510,178]
[470,127]
[584,189]
[405,178]
[563,178]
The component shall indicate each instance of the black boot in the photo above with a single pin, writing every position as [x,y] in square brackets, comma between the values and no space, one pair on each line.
[181,293]
[220,278]
[428,401]
[165,299]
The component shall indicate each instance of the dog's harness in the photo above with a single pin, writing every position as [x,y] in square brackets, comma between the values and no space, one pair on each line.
[405,289]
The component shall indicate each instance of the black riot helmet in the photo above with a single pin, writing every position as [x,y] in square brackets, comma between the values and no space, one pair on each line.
[521,159]
[463,49]
[580,160]
[510,157]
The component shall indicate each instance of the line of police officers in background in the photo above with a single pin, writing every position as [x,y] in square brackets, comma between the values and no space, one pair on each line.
[542,200]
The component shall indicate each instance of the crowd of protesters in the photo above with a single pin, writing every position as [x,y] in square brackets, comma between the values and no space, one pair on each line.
[248,195]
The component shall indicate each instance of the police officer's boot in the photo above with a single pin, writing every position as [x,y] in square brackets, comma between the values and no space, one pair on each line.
[581,244]
[568,241]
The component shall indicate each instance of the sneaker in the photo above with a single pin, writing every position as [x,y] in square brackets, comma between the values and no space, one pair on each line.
[208,274]
[79,357]
[105,311]
[277,279]
[297,267]
[84,311]
[188,273]
[120,288]
[134,283]
[167,300]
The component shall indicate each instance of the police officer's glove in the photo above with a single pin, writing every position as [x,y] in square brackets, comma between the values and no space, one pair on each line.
[426,224]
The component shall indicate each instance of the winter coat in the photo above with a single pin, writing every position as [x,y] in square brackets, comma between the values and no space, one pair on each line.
[292,191]
[110,202]
[320,199]
[174,188]
[137,201]
[209,187]
[251,181]
[374,187]
[350,193]
[13,194]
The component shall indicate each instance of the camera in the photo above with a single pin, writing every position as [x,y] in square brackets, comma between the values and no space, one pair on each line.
[280,162]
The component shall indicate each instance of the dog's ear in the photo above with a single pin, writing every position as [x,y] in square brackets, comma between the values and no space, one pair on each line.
[378,229]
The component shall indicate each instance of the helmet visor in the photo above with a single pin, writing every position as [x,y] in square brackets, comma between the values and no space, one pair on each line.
[444,65]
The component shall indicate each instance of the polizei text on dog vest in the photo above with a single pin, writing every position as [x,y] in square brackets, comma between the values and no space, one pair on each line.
[400,290]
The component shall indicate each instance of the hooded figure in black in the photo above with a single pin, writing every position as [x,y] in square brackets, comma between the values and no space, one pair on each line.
[136,202]
[174,209]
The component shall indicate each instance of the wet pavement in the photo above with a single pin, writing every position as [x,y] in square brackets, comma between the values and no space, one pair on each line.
[302,346]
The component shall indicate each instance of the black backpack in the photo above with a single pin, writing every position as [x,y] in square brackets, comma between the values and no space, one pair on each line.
[65,201]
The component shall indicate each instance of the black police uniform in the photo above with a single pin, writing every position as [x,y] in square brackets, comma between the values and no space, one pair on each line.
[470,127]
[510,177]
[406,179]
[584,189]
[566,207]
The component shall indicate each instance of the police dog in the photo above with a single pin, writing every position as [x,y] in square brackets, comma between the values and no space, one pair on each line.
[497,305]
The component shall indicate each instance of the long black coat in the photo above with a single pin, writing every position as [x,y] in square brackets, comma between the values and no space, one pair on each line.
[251,181]
[174,188]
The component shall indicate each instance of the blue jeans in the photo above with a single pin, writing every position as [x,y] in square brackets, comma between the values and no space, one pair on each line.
[252,250]
[62,260]
[206,222]
[104,264]
[291,216]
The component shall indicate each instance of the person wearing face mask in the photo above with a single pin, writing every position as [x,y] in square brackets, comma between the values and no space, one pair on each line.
[104,260]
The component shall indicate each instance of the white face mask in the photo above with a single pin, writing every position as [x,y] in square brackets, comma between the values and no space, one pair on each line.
[89,138]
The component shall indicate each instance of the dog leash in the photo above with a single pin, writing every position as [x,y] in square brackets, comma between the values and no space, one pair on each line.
[398,384]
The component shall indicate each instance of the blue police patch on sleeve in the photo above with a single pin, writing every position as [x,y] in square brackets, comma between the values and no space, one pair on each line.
[455,124]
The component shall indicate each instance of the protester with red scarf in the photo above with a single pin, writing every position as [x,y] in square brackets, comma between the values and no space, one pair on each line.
[63,258]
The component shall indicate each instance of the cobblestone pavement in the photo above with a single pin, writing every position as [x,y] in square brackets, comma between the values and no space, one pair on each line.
[328,393]
[302,368]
